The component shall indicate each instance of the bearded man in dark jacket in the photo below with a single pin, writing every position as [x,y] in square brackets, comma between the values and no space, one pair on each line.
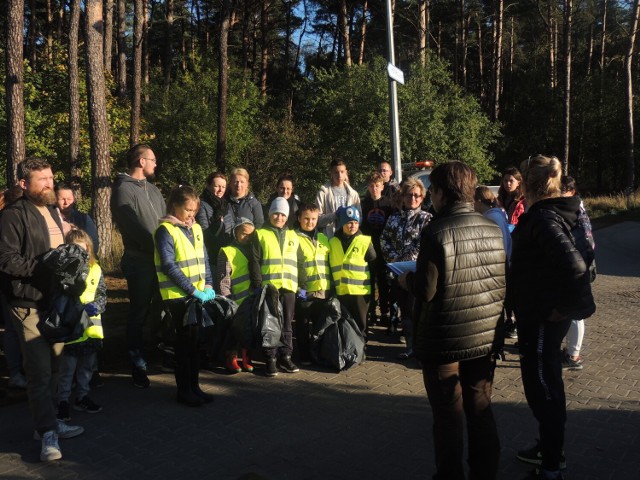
[459,285]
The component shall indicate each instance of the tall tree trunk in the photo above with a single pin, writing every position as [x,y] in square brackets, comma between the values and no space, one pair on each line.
[223,86]
[145,50]
[108,34]
[122,50]
[246,39]
[512,48]
[75,168]
[98,126]
[14,87]
[32,35]
[49,32]
[497,58]
[568,8]
[136,80]
[363,31]
[463,44]
[344,31]
[483,93]
[599,162]
[168,47]
[60,21]
[439,39]
[422,31]
[592,42]
[264,21]
[630,164]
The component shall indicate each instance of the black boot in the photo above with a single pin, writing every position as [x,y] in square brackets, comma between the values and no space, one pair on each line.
[194,380]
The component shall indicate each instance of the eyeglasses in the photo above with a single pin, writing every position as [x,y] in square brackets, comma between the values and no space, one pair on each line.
[414,195]
[154,160]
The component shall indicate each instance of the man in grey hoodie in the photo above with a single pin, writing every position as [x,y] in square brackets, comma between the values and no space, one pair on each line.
[137,205]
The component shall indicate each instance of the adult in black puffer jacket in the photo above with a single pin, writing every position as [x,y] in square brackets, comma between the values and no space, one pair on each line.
[210,216]
[549,278]
[459,286]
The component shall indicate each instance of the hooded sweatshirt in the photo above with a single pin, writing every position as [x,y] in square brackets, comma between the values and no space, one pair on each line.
[137,206]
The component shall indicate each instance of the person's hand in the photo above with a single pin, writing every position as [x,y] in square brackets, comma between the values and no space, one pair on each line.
[210,294]
[302,294]
[556,316]
[91,309]
[200,295]
[402,281]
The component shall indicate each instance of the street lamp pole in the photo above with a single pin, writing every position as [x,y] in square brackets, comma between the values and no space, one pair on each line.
[393,99]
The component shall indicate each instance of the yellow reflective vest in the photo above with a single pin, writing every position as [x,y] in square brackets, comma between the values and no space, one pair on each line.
[316,262]
[189,257]
[94,330]
[349,269]
[240,282]
[279,267]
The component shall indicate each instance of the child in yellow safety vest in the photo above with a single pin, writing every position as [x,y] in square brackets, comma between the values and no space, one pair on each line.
[314,276]
[232,281]
[274,261]
[184,273]
[79,357]
[350,253]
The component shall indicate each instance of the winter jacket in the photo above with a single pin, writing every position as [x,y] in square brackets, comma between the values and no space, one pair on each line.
[498,216]
[137,205]
[547,270]
[84,222]
[375,214]
[294,205]
[24,237]
[459,285]
[328,205]
[245,207]
[210,217]
[400,240]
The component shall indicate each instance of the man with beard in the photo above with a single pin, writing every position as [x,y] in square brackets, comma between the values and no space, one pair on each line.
[30,227]
[137,206]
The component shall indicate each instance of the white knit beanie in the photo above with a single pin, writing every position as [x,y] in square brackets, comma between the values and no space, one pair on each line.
[279,205]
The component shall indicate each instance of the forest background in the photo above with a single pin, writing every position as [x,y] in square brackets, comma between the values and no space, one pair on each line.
[288,85]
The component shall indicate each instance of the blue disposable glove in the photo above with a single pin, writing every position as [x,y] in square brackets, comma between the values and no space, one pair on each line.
[91,309]
[302,294]
[200,295]
[210,294]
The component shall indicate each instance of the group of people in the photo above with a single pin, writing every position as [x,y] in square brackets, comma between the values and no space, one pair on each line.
[481,263]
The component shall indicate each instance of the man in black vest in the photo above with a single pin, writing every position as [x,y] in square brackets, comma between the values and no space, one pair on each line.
[459,285]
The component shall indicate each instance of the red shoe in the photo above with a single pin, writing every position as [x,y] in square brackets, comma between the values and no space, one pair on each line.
[232,363]
[246,361]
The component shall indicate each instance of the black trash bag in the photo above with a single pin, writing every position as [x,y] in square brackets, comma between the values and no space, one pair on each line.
[196,314]
[69,266]
[266,318]
[65,321]
[336,340]
[215,340]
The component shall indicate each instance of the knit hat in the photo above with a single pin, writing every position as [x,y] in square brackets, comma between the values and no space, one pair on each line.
[241,221]
[346,215]
[279,205]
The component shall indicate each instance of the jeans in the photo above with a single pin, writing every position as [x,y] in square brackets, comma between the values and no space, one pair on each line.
[41,361]
[458,390]
[142,284]
[83,367]
[406,302]
[540,363]
[10,341]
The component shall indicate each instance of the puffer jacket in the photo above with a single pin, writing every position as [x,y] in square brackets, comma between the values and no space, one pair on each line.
[459,285]
[400,239]
[547,270]
[245,207]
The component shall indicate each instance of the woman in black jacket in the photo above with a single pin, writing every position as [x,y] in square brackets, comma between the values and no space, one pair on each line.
[549,279]
[210,216]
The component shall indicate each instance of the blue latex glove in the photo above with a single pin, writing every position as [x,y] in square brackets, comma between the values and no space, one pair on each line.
[210,294]
[200,295]
[91,309]
[302,294]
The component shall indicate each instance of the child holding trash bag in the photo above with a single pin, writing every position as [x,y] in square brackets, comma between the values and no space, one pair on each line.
[184,275]
[350,253]
[79,356]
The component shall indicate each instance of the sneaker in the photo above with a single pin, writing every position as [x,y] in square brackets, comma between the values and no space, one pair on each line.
[287,365]
[533,456]
[50,448]
[86,405]
[18,381]
[63,431]
[270,367]
[140,378]
[63,411]
[569,363]
[96,380]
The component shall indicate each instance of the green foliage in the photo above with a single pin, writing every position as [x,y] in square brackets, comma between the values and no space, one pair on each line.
[437,121]
[183,119]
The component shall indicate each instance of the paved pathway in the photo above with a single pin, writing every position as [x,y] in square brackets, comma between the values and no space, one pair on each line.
[372,422]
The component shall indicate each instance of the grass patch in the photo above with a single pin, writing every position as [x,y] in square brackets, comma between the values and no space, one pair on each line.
[614,207]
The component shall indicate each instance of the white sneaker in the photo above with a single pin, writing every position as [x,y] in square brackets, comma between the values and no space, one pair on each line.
[18,381]
[50,448]
[63,431]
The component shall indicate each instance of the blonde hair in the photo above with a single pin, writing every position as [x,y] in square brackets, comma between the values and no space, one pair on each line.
[240,171]
[77,235]
[542,177]
[411,183]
